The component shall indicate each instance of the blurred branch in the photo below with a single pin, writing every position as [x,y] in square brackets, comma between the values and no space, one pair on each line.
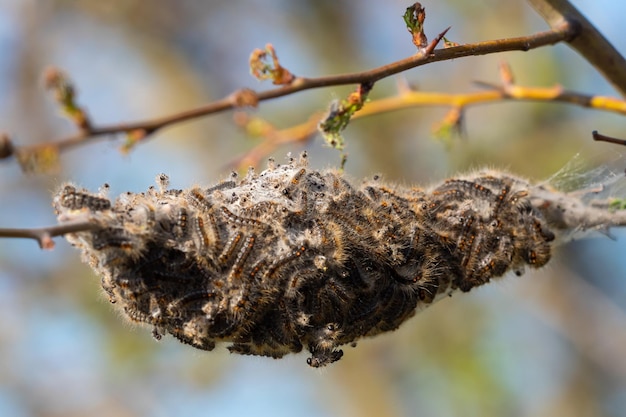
[589,43]
[410,98]
[44,235]
[30,156]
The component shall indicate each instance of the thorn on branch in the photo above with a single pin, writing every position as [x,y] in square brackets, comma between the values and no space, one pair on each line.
[603,138]
[433,44]
[262,69]
[64,92]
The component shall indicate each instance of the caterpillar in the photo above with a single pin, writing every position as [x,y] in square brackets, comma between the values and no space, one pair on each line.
[294,258]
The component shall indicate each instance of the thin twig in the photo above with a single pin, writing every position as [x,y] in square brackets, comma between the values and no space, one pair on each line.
[602,138]
[44,235]
[496,93]
[243,97]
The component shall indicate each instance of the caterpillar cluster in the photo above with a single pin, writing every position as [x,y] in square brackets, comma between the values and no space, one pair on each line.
[295,258]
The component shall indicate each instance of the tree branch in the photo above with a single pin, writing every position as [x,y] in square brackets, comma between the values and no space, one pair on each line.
[589,43]
[408,98]
[138,131]
[603,138]
[44,235]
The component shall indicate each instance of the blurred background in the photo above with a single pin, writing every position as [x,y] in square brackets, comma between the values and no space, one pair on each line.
[552,343]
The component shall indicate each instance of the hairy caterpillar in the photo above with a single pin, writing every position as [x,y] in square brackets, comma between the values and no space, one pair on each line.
[296,258]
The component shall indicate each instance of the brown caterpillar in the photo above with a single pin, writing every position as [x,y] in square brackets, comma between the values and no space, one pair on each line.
[294,257]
